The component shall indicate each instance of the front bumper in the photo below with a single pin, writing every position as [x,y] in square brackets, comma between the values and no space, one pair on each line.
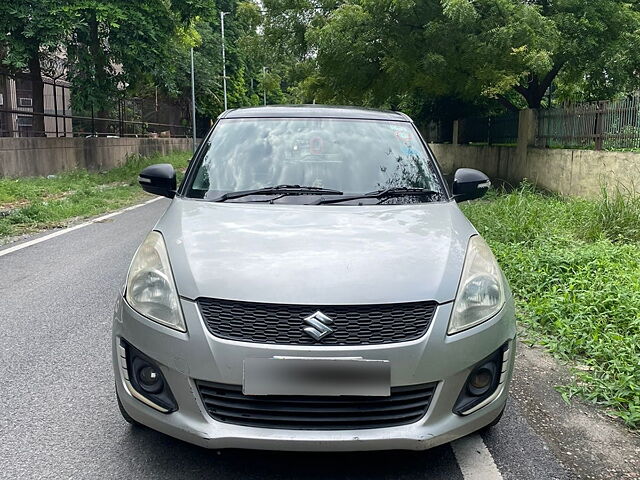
[196,354]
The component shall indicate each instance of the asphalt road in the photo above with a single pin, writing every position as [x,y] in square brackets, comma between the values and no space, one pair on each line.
[59,418]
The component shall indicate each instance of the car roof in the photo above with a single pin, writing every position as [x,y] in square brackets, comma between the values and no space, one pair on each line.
[314,111]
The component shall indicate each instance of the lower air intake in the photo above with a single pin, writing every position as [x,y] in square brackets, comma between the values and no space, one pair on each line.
[227,403]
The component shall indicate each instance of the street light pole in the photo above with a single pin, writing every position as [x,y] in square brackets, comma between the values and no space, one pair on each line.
[224,61]
[264,87]
[193,102]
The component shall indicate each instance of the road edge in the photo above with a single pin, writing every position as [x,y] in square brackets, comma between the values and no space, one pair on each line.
[18,245]
[583,438]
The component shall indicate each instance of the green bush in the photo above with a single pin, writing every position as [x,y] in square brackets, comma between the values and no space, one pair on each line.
[615,216]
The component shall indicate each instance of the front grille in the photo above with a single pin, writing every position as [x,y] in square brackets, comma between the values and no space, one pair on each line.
[227,403]
[281,324]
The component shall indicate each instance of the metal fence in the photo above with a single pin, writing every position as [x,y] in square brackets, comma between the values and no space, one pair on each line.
[499,130]
[437,132]
[602,125]
[126,117]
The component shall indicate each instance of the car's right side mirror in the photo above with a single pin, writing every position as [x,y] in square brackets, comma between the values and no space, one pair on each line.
[159,179]
[469,184]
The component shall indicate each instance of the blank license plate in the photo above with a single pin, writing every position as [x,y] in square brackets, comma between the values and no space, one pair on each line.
[316,376]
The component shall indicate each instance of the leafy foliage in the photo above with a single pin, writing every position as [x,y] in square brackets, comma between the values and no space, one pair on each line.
[431,58]
[112,48]
[30,26]
[404,53]
[117,44]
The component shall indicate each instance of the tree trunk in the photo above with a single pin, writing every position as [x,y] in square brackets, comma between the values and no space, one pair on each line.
[506,103]
[100,79]
[6,125]
[531,93]
[37,93]
[536,89]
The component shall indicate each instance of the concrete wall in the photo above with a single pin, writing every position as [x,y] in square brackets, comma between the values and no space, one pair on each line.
[494,161]
[568,172]
[30,157]
[583,172]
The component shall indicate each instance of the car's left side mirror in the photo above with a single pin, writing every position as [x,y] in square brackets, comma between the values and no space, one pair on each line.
[469,184]
[159,179]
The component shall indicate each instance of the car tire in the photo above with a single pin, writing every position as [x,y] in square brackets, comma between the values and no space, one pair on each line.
[125,415]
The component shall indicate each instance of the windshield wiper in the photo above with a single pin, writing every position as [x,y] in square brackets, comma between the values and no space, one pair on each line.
[278,190]
[382,194]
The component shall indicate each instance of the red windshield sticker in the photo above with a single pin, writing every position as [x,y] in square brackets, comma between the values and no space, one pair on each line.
[316,145]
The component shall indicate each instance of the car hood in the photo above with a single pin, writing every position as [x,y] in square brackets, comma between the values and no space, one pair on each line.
[319,255]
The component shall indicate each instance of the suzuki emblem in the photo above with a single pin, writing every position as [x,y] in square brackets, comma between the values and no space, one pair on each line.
[319,325]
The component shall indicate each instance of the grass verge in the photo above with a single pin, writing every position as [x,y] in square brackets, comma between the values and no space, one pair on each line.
[32,204]
[574,266]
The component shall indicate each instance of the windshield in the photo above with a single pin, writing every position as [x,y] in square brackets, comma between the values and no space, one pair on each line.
[351,156]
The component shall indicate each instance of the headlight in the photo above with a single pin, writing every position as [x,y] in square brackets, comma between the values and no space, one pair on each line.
[151,290]
[481,291]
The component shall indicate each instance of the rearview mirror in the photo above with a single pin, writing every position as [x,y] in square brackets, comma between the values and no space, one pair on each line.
[469,184]
[159,179]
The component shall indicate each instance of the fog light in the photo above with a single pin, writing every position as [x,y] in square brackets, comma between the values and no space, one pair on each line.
[146,381]
[150,379]
[480,381]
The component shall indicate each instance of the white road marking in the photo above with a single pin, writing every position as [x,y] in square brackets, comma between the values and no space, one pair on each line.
[57,233]
[474,459]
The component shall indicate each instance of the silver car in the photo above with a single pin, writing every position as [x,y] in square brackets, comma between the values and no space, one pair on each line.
[313,285]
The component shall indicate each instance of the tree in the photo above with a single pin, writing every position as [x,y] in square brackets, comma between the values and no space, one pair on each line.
[240,29]
[391,52]
[118,46]
[32,30]
[113,48]
[109,46]
[597,52]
